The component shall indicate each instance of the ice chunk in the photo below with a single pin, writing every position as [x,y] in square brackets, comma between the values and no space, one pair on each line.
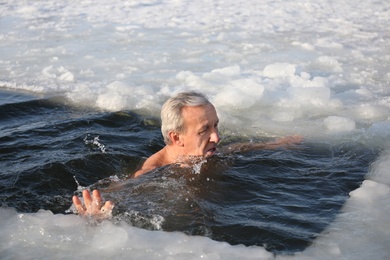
[227,71]
[279,70]
[318,96]
[370,191]
[241,94]
[339,124]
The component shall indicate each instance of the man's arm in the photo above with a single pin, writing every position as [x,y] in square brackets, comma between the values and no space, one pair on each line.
[93,205]
[247,147]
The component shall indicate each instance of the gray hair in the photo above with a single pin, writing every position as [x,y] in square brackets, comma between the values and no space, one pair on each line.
[171,112]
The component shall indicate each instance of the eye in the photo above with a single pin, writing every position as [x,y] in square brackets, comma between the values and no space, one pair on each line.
[203,131]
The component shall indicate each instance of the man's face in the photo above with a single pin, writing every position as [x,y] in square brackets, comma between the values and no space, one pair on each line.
[201,136]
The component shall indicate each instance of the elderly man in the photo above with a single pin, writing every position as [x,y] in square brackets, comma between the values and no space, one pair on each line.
[189,125]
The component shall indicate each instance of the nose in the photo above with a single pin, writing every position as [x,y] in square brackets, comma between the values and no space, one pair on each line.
[215,138]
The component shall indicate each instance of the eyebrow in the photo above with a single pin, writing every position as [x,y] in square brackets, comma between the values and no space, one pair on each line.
[207,125]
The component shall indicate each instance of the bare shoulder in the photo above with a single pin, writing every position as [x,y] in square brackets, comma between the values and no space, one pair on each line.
[154,161]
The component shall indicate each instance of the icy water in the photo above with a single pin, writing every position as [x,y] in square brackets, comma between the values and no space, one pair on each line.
[280,199]
[81,87]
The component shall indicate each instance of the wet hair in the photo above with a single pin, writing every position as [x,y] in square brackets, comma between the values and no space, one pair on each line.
[171,112]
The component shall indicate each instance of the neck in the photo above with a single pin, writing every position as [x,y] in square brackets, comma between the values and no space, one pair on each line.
[171,154]
[175,155]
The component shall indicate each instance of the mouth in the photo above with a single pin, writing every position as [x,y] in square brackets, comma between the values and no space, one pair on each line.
[211,151]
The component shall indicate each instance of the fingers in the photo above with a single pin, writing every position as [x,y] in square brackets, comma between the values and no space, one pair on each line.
[78,205]
[289,140]
[96,200]
[296,139]
[87,199]
[93,205]
[108,206]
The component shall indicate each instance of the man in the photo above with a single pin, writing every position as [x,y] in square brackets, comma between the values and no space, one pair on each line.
[189,125]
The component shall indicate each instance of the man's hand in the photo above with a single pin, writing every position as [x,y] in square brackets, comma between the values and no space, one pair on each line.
[93,206]
[288,140]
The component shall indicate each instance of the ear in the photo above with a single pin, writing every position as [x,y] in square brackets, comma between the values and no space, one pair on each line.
[176,138]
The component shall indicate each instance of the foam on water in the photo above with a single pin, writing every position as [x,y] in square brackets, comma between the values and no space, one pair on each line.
[320,69]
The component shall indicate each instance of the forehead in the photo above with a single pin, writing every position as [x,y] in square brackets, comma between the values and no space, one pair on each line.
[200,114]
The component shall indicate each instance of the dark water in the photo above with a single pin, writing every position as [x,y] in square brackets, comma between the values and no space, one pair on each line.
[279,199]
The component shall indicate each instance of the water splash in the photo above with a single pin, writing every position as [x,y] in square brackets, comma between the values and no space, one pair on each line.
[95,142]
